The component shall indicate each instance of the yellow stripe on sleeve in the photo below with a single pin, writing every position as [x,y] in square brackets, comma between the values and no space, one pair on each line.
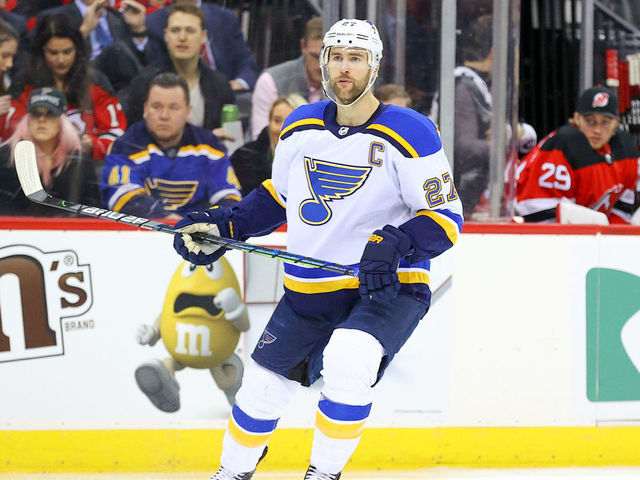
[269,186]
[448,228]
[413,277]
[126,197]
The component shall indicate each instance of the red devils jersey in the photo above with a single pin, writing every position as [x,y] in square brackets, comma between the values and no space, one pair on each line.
[564,166]
[104,122]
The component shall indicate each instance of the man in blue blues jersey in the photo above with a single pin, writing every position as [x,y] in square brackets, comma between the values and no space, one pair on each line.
[360,183]
[164,166]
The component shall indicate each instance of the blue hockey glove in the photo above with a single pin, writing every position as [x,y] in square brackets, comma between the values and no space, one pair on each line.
[379,264]
[215,221]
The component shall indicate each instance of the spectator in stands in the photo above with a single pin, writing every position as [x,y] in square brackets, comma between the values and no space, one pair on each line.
[252,162]
[64,171]
[585,167]
[472,118]
[58,58]
[8,49]
[19,24]
[224,50]
[393,94]
[208,89]
[163,166]
[301,75]
[116,40]
[473,113]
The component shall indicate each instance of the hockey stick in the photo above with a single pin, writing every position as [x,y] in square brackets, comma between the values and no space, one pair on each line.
[27,168]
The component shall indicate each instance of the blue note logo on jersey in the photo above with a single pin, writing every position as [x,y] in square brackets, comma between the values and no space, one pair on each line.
[173,193]
[266,339]
[327,182]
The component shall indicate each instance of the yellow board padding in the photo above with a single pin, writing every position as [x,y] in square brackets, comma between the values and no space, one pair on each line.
[380,448]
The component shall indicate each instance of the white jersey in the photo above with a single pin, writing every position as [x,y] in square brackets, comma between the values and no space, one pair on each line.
[339,184]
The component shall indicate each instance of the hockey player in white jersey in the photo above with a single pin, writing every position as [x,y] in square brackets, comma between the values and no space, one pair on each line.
[358,183]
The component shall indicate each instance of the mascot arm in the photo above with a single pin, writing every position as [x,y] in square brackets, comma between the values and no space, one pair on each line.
[148,334]
[235,310]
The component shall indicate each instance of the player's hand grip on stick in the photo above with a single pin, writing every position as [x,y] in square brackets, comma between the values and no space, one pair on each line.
[213,221]
[379,264]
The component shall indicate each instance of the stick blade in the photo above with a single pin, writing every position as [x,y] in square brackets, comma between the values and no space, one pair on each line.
[27,167]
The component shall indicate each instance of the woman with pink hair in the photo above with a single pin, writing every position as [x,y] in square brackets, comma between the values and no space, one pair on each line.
[65,172]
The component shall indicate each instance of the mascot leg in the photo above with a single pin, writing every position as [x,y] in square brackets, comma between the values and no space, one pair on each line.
[157,381]
[228,377]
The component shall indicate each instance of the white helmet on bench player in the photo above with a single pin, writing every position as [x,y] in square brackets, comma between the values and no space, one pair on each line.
[351,33]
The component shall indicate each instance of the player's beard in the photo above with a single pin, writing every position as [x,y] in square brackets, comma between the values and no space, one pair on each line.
[348,95]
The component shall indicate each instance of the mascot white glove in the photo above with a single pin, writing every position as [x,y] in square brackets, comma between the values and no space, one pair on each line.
[147,334]
[229,301]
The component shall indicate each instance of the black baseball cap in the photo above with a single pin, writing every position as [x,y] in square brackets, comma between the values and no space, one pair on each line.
[48,97]
[598,100]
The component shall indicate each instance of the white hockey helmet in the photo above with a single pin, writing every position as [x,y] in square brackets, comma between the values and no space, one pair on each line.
[351,32]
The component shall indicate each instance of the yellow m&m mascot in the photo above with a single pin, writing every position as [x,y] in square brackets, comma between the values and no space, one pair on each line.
[200,325]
